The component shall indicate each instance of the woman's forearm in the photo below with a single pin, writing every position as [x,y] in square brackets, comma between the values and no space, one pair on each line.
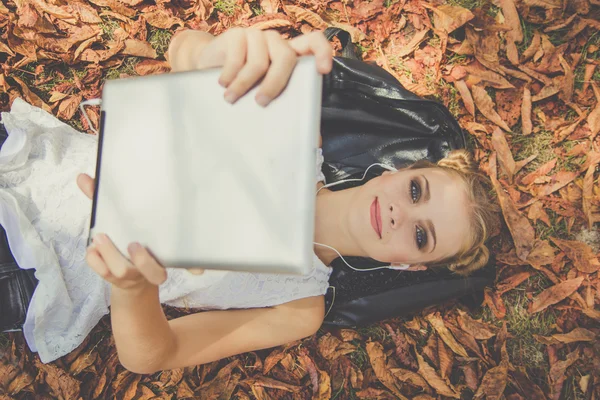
[142,333]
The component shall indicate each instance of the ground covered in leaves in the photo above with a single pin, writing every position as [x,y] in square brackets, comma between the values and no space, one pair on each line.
[522,78]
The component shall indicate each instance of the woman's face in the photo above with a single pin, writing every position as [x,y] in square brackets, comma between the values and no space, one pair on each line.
[411,216]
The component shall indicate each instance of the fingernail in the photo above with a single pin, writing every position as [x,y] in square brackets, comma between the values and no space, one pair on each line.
[100,239]
[262,100]
[134,247]
[230,97]
[222,82]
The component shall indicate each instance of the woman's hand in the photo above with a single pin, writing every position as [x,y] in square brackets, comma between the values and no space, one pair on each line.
[108,262]
[248,55]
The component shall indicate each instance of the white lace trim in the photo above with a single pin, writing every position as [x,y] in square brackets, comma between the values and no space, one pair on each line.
[47,220]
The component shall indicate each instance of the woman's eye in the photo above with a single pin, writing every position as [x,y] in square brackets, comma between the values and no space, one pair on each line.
[420,237]
[415,191]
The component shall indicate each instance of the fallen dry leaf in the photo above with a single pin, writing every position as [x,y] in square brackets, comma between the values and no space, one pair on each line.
[505,157]
[138,48]
[576,335]
[378,362]
[521,230]
[536,211]
[484,103]
[448,18]
[593,118]
[527,126]
[465,94]
[493,383]
[512,282]
[301,14]
[437,323]
[580,253]
[162,18]
[434,380]
[554,294]
[475,328]
[68,106]
[495,303]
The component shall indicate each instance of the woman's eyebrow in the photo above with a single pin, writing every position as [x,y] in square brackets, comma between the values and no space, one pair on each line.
[427,194]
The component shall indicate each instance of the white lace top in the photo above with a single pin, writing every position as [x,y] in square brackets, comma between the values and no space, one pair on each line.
[46,218]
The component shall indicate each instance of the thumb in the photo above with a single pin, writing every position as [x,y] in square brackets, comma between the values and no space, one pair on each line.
[86,184]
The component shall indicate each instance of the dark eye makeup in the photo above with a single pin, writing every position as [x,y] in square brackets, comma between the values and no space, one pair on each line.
[415,195]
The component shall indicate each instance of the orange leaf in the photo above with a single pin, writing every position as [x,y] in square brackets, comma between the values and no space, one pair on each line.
[61,384]
[446,358]
[576,335]
[512,282]
[475,328]
[86,14]
[593,118]
[587,77]
[541,254]
[493,383]
[411,377]
[518,225]
[378,362]
[434,380]
[526,112]
[138,48]
[495,303]
[449,18]
[554,294]
[536,211]
[541,171]
[31,97]
[151,67]
[486,106]
[557,181]
[267,382]
[535,45]
[465,94]
[301,14]
[68,107]
[437,323]
[580,253]
[272,24]
[413,43]
[504,155]
[163,19]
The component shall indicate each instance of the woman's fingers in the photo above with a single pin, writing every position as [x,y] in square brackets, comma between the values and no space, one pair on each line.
[96,262]
[147,264]
[315,43]
[283,61]
[86,184]
[235,57]
[113,258]
[257,64]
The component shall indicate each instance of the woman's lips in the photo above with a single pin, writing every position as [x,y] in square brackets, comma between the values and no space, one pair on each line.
[376,217]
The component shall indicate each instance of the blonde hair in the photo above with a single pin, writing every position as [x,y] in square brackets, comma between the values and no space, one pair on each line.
[483,210]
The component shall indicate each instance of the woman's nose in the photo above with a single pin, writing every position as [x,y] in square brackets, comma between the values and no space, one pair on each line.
[397,216]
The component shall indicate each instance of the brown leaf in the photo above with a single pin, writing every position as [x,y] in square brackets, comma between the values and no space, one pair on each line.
[411,378]
[479,330]
[272,360]
[486,106]
[505,157]
[152,67]
[555,294]
[218,385]
[60,383]
[132,388]
[465,94]
[557,372]
[526,112]
[495,303]
[301,14]
[547,91]
[19,383]
[31,97]
[541,171]
[493,383]
[449,18]
[566,88]
[536,211]
[541,254]
[576,335]
[435,381]
[324,387]
[84,361]
[509,105]
[378,362]
[446,358]
[512,282]
[593,118]
[557,181]
[533,48]
[183,391]
[402,348]
[272,24]
[349,335]
[581,254]
[138,48]
[520,164]
[55,11]
[269,6]
[587,78]
[478,74]
[331,347]
[267,382]
[437,323]
[532,390]
[518,225]
[68,107]
[162,18]
[512,20]
[83,46]
[85,13]
[413,43]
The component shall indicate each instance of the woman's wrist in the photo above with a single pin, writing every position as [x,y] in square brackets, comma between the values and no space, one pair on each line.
[141,289]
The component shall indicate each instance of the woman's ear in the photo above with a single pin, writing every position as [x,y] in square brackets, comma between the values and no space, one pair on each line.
[407,267]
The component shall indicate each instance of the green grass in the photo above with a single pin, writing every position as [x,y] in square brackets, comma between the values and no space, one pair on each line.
[128,67]
[108,26]
[539,143]
[257,10]
[159,39]
[469,4]
[359,357]
[227,7]
[374,332]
